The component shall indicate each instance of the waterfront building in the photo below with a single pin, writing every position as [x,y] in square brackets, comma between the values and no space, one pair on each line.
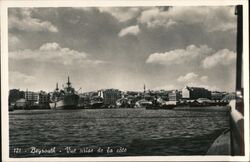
[43,98]
[163,94]
[192,93]
[132,97]
[126,94]
[90,94]
[216,95]
[110,96]
[132,93]
[14,95]
[175,95]
[84,101]
[149,96]
[229,96]
[31,97]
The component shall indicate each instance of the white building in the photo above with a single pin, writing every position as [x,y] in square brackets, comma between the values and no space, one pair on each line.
[110,96]
[31,97]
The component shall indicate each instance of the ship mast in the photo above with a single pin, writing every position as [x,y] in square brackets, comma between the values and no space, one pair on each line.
[57,86]
[68,83]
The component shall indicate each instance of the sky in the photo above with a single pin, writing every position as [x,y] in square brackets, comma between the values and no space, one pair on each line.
[122,47]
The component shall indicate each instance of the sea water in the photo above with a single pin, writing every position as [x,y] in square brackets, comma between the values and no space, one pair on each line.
[115,132]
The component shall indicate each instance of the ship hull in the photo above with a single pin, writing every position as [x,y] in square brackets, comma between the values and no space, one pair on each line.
[68,102]
[164,107]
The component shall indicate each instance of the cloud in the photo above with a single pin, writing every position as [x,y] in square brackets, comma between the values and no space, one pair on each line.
[209,18]
[22,19]
[50,47]
[179,56]
[54,53]
[154,17]
[204,78]
[131,30]
[221,57]
[13,39]
[190,77]
[194,80]
[17,78]
[192,53]
[122,14]
[95,36]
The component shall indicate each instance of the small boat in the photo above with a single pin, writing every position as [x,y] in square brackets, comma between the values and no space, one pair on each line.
[143,103]
[204,102]
[166,105]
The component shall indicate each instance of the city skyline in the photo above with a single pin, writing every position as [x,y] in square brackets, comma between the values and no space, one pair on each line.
[122,47]
[79,91]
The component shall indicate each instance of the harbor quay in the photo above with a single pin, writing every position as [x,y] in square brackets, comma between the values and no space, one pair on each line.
[68,98]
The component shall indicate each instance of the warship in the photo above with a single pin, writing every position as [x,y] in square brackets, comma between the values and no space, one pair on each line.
[66,98]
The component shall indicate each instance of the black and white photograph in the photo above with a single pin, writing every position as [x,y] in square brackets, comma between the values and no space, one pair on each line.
[126,81]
